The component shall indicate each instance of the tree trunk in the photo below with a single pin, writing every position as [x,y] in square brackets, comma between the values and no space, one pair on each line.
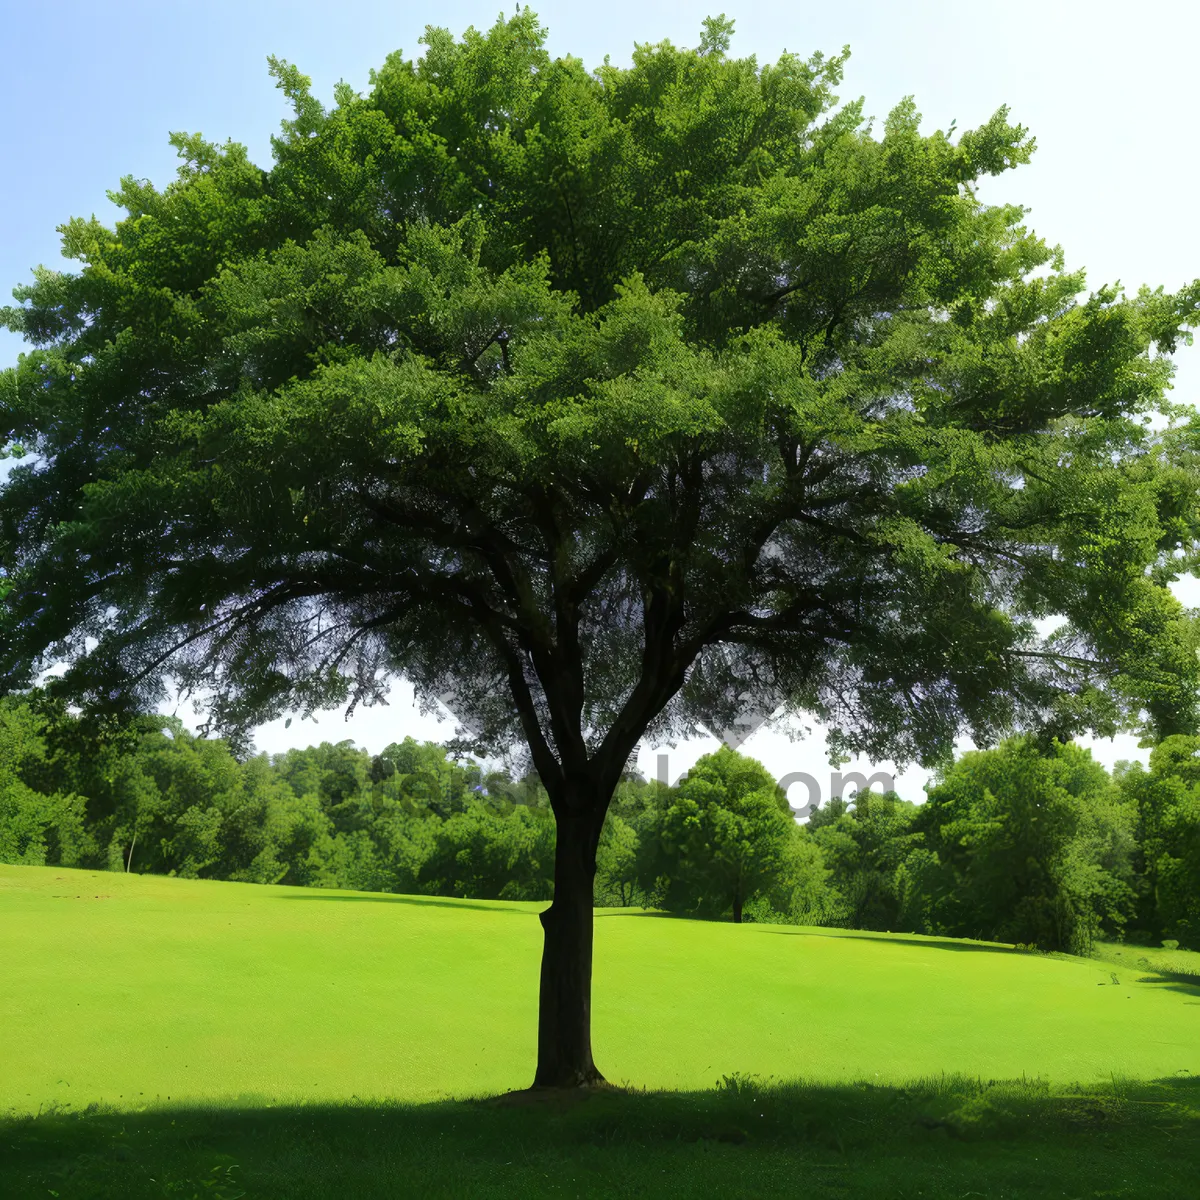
[565,1006]
[737,908]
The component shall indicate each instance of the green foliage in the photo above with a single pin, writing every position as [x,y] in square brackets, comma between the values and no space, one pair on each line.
[617,864]
[35,828]
[724,836]
[409,819]
[1036,847]
[601,405]
[1167,799]
[509,376]
[878,869]
[492,855]
[1019,844]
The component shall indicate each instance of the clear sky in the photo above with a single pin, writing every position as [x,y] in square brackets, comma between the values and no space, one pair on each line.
[93,89]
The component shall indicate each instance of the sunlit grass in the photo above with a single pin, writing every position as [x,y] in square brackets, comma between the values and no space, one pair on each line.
[1181,964]
[130,990]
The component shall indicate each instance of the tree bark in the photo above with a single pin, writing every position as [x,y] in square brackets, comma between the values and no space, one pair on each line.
[565,1005]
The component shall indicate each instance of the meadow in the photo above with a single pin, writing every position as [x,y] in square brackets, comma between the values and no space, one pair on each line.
[151,1025]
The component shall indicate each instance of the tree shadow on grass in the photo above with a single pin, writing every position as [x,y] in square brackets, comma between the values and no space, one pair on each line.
[743,1138]
[420,901]
[900,940]
[450,902]
[892,939]
[1169,981]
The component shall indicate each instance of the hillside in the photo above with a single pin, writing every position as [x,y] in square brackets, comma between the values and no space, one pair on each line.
[128,989]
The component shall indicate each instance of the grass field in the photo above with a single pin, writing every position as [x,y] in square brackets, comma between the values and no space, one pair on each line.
[942,1140]
[269,1028]
[1180,965]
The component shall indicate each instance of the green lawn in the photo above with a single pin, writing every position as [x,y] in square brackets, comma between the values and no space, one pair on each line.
[1182,965]
[130,989]
[938,1141]
[275,1028]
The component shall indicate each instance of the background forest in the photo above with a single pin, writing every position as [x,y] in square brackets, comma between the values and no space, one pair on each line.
[1025,843]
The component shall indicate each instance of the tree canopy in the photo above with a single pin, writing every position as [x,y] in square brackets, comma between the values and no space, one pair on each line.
[600,404]
[1167,801]
[1037,848]
[725,837]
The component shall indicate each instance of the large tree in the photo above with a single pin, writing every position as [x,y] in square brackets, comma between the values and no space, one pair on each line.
[1034,844]
[725,835]
[601,405]
[1167,800]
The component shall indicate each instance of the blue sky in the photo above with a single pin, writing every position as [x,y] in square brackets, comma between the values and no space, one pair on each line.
[93,89]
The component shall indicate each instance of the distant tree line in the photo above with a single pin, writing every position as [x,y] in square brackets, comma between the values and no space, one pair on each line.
[1026,843]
